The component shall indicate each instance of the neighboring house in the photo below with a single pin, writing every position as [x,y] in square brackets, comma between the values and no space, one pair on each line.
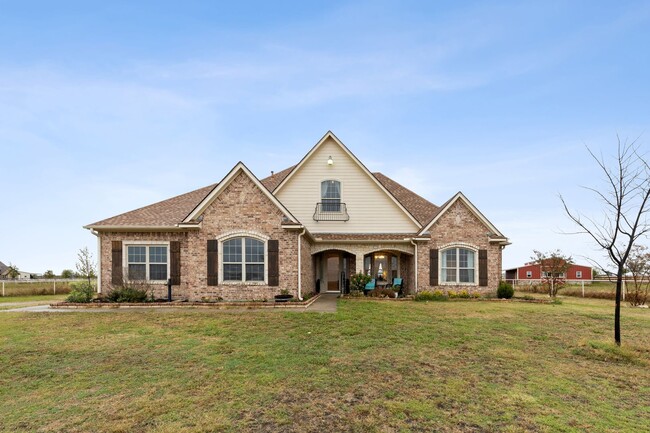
[3,269]
[533,271]
[4,273]
[306,228]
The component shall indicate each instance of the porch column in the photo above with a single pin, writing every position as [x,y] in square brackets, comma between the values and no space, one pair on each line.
[359,262]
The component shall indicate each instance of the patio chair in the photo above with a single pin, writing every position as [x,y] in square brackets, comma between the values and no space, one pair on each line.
[397,282]
[369,287]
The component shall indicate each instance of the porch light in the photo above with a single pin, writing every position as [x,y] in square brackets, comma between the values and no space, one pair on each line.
[330,161]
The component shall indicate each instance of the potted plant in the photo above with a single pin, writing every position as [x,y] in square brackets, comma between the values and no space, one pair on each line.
[284,296]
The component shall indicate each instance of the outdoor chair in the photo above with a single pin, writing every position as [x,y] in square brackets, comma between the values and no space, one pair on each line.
[369,287]
[397,282]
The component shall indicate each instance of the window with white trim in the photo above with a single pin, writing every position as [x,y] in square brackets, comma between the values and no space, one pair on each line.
[330,194]
[147,262]
[458,265]
[578,274]
[529,274]
[243,259]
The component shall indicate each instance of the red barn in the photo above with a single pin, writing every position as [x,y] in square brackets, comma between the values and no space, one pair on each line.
[533,271]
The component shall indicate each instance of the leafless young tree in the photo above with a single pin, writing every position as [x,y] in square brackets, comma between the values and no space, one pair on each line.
[638,265]
[85,264]
[625,197]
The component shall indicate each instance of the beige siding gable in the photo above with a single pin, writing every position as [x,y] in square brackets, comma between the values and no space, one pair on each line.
[371,209]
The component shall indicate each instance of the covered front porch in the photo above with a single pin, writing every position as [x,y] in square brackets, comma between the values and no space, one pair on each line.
[334,265]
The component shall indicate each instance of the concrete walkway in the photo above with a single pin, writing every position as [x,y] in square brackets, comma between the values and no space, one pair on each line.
[326,303]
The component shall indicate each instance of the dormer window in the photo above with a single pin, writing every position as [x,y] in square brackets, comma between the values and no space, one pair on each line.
[330,193]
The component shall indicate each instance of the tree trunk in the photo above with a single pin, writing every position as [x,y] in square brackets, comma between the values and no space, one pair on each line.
[617,309]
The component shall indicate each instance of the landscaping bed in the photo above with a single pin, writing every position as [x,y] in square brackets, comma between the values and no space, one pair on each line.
[187,304]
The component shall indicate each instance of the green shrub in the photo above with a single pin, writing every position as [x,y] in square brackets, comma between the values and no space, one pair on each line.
[463,294]
[358,281]
[430,296]
[476,295]
[127,294]
[505,290]
[82,292]
[452,294]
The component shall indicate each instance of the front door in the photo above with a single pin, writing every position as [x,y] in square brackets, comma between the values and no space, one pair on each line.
[333,273]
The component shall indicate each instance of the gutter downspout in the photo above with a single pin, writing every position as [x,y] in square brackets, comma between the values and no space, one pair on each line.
[300,264]
[416,264]
[99,260]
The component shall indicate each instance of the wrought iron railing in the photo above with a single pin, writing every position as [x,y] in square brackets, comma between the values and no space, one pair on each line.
[331,211]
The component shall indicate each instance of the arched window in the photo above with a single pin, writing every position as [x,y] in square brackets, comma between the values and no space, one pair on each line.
[458,265]
[330,194]
[243,259]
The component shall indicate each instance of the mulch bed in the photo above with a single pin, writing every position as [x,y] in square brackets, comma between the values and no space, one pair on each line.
[188,304]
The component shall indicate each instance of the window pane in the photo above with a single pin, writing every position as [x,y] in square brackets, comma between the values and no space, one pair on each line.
[158,272]
[137,272]
[254,272]
[137,254]
[450,275]
[232,272]
[462,257]
[157,254]
[232,251]
[449,259]
[466,275]
[254,251]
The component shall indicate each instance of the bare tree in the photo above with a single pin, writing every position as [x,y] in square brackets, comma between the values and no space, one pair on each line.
[625,197]
[638,265]
[85,264]
[554,266]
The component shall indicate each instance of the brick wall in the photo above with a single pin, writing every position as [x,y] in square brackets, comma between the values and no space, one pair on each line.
[240,207]
[459,225]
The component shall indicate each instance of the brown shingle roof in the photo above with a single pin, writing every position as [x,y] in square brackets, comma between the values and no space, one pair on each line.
[162,214]
[276,179]
[168,213]
[420,208]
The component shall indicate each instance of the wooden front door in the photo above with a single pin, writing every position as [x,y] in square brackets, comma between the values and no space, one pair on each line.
[333,273]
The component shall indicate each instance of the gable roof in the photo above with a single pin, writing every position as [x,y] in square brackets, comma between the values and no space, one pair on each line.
[272,182]
[418,206]
[239,168]
[3,267]
[166,213]
[495,235]
[330,134]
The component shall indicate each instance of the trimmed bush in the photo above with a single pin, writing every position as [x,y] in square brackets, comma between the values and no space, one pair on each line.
[505,290]
[463,294]
[430,296]
[82,292]
[127,294]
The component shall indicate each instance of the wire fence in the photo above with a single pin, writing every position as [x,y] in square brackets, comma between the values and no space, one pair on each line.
[49,286]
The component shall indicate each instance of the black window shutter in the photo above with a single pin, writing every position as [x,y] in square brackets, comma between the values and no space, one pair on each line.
[274,263]
[213,262]
[175,262]
[482,268]
[433,267]
[116,265]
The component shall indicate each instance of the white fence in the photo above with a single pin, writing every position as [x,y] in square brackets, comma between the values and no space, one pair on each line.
[577,283]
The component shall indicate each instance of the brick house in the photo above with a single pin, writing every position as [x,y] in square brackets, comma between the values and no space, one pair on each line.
[304,229]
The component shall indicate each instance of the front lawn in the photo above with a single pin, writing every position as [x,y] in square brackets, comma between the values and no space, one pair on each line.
[371,367]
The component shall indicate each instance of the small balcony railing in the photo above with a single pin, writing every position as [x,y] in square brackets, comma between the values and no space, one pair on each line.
[331,211]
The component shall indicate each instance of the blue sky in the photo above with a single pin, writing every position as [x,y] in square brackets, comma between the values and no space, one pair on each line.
[109,106]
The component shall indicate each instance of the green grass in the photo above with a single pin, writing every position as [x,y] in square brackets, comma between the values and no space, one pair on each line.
[45,299]
[371,367]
